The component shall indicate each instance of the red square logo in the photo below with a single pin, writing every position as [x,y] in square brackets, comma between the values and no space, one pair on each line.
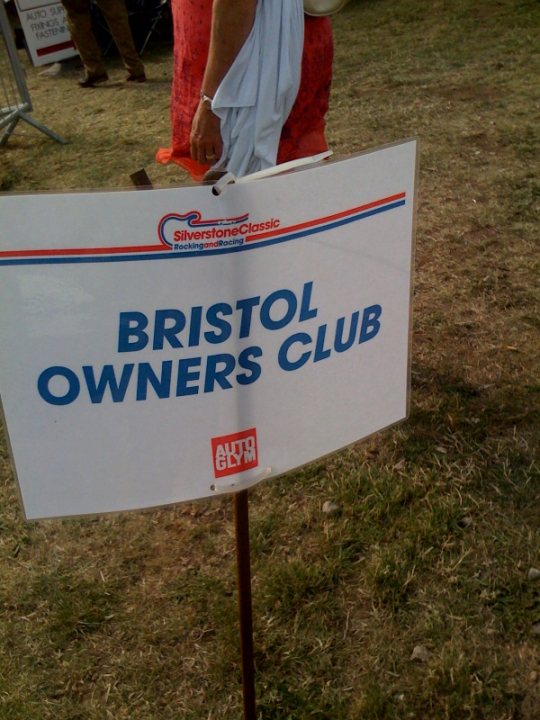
[235,453]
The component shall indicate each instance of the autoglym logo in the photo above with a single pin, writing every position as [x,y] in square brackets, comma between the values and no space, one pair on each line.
[235,453]
[190,231]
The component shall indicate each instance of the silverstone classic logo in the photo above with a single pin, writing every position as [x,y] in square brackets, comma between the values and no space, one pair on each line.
[190,234]
[190,231]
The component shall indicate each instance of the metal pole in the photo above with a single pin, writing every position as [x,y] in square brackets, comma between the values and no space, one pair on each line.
[16,69]
[243,562]
[23,105]
[241,520]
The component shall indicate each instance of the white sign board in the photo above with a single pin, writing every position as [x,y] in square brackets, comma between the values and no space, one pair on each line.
[160,346]
[45,30]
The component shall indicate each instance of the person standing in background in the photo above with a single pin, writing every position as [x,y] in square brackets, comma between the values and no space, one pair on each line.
[209,35]
[80,26]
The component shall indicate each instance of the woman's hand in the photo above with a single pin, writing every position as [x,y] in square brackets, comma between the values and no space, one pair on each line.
[232,21]
[205,138]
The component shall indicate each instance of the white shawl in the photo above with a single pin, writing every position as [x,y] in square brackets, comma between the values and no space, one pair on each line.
[256,95]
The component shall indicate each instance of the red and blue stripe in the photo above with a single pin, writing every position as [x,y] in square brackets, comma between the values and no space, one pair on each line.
[159,251]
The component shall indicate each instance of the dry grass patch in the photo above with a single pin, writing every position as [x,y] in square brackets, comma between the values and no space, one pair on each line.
[134,616]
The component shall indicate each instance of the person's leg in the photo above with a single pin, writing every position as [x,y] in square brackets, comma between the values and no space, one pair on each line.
[115,13]
[80,26]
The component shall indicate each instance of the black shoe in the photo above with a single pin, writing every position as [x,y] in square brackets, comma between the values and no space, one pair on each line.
[92,80]
[136,78]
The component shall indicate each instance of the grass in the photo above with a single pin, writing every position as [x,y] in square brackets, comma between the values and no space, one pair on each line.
[134,616]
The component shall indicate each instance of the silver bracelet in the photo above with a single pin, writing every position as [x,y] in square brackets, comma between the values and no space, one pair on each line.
[205,98]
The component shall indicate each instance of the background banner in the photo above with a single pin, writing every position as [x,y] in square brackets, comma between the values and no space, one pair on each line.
[167,345]
[45,30]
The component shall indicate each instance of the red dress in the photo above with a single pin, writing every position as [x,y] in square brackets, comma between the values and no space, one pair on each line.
[302,134]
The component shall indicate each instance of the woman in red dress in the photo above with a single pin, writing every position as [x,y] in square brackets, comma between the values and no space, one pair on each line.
[207,37]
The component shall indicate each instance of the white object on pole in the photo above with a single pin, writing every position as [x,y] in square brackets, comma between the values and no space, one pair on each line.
[229,178]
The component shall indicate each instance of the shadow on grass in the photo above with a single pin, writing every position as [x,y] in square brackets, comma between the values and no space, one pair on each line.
[493,428]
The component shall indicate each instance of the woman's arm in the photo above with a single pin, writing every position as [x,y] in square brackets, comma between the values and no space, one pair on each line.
[232,21]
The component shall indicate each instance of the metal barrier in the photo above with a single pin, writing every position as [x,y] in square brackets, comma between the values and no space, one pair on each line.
[16,98]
